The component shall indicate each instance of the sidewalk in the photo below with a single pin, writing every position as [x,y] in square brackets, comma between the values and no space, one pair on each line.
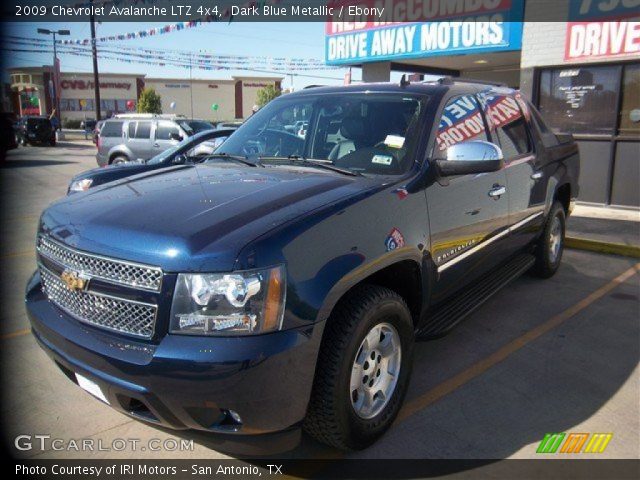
[606,230]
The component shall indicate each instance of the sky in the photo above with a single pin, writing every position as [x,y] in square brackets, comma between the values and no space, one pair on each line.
[300,40]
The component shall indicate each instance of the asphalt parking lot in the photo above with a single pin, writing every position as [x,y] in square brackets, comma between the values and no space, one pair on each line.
[540,357]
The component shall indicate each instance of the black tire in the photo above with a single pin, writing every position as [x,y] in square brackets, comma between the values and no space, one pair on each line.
[331,417]
[119,159]
[547,258]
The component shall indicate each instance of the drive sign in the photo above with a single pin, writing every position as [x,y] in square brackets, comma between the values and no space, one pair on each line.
[453,27]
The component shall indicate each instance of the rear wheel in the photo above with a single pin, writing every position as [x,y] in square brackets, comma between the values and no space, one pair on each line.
[551,245]
[363,369]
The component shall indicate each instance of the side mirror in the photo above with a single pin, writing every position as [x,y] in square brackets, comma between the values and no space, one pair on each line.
[175,136]
[475,156]
[180,159]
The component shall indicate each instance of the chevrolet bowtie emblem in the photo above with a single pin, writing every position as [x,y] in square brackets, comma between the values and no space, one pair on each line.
[74,281]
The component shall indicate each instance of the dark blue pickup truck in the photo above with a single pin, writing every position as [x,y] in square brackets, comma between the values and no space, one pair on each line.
[282,282]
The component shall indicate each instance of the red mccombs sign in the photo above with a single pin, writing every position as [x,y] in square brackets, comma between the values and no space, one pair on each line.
[602,39]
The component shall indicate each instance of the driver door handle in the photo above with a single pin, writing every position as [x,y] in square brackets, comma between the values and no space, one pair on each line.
[498,191]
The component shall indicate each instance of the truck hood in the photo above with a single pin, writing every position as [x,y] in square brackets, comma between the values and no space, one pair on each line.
[191,218]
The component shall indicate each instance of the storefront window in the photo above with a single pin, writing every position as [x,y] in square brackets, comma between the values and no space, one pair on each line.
[630,113]
[87,104]
[580,99]
[121,105]
[69,104]
[108,105]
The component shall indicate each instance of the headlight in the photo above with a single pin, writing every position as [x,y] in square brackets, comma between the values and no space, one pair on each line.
[239,303]
[80,185]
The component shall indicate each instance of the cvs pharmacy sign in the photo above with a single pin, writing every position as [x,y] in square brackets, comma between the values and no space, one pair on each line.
[601,39]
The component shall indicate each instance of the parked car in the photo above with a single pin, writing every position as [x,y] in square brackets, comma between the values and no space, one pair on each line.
[228,125]
[282,282]
[191,150]
[88,125]
[96,131]
[32,130]
[8,139]
[138,137]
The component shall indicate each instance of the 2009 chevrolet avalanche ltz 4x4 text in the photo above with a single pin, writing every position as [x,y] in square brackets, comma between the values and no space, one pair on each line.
[281,283]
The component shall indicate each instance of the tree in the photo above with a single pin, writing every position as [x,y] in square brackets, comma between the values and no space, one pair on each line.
[149,101]
[266,94]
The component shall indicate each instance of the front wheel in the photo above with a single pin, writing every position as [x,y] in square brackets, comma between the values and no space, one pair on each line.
[119,160]
[551,244]
[363,369]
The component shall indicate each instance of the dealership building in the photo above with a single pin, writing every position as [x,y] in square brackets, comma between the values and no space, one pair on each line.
[583,73]
[31,93]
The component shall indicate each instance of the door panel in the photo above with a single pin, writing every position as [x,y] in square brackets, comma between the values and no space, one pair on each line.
[162,136]
[468,225]
[140,139]
[508,121]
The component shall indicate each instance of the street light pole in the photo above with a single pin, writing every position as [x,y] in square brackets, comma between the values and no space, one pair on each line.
[56,99]
[94,54]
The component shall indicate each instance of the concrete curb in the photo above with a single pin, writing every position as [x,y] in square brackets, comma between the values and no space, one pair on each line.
[577,243]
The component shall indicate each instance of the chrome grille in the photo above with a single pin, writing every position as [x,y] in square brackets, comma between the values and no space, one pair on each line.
[125,316]
[110,270]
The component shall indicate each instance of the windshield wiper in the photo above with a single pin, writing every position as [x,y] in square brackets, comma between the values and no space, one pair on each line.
[235,158]
[311,162]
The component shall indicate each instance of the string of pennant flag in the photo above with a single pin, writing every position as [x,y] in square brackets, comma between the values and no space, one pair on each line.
[174,27]
[194,59]
[224,15]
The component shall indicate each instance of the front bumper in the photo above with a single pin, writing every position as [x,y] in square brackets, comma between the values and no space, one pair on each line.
[185,382]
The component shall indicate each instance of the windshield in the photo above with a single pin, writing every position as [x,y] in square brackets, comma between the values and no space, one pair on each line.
[192,127]
[37,122]
[370,133]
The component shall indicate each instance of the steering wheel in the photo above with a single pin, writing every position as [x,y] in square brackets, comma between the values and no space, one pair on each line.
[273,143]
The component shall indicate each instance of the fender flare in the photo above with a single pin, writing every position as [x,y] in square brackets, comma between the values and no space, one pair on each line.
[358,275]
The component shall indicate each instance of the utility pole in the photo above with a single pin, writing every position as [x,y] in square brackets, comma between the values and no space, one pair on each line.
[191,82]
[94,53]
[56,99]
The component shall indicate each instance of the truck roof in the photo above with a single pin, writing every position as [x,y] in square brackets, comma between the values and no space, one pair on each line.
[424,87]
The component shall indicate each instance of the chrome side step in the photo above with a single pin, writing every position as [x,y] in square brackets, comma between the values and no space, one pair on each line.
[447,315]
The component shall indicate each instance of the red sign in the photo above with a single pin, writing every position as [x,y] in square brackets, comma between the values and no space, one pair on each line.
[82,85]
[602,40]
[367,14]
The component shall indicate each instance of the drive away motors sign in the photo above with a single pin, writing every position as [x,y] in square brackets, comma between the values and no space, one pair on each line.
[592,34]
[396,30]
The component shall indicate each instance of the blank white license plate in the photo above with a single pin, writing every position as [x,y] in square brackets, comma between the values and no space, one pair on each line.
[92,388]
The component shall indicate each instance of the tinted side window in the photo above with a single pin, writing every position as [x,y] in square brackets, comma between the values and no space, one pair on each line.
[132,130]
[111,129]
[461,121]
[143,130]
[164,131]
[548,137]
[507,124]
